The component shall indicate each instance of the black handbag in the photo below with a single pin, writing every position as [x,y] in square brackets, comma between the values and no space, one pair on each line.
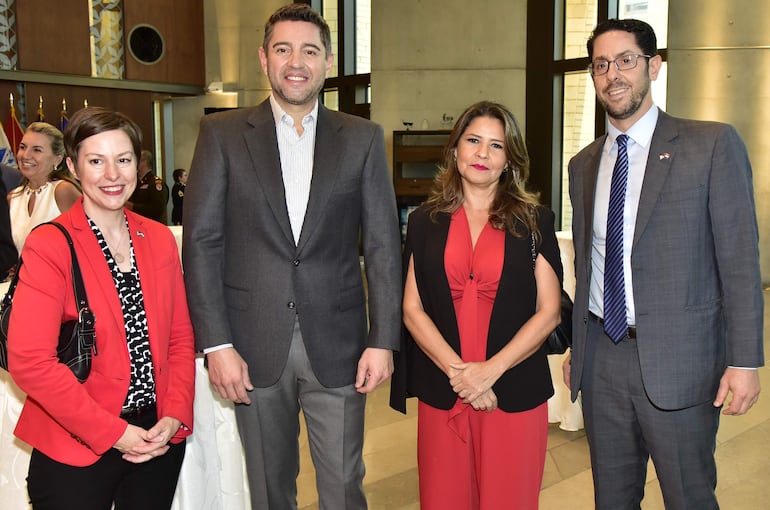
[560,338]
[77,338]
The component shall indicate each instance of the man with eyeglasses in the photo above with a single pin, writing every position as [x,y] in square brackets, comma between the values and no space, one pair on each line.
[668,312]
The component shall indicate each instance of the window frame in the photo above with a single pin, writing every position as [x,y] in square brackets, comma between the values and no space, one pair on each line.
[546,69]
[353,90]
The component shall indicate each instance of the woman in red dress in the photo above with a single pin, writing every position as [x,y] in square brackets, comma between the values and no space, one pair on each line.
[482,292]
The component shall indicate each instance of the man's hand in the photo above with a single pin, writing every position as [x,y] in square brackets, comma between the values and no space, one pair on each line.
[566,370]
[374,367]
[743,384]
[229,375]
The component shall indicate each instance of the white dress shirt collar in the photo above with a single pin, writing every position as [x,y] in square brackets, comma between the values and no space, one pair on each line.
[281,116]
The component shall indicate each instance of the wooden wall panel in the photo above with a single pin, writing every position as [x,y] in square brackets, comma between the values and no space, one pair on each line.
[53,36]
[136,104]
[180,22]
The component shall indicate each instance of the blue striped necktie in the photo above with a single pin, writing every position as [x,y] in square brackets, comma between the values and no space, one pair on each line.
[615,323]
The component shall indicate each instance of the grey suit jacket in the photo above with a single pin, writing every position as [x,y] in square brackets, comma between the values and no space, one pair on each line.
[694,260]
[246,279]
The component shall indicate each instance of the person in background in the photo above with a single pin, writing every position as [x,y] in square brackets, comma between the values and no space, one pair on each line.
[47,188]
[10,175]
[482,293]
[8,253]
[277,197]
[119,436]
[151,194]
[177,195]
[668,312]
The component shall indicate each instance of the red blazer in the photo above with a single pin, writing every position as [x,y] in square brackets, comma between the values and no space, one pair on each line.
[76,423]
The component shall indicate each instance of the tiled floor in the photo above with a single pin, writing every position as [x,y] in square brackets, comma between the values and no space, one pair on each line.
[743,459]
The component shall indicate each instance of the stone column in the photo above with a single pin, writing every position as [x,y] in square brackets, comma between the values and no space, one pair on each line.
[719,69]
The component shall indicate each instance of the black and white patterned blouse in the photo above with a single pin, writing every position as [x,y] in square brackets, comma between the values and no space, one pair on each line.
[141,389]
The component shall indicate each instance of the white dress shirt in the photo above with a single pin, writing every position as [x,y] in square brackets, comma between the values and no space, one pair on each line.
[639,138]
[297,153]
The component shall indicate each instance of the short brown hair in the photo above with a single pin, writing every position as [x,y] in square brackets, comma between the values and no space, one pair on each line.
[93,120]
[299,12]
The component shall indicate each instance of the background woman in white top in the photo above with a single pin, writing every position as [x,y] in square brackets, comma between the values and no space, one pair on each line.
[46,189]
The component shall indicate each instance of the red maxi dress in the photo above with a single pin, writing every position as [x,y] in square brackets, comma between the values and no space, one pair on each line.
[468,459]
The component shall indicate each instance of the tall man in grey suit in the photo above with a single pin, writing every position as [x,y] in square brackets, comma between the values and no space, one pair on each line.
[277,200]
[690,285]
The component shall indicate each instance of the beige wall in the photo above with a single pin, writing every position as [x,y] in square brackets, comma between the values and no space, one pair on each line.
[719,69]
[234,30]
[435,57]
[233,33]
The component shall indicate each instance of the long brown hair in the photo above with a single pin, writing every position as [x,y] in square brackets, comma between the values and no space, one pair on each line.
[512,204]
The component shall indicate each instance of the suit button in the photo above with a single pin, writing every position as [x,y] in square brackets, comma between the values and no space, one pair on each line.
[291,305]
[295,262]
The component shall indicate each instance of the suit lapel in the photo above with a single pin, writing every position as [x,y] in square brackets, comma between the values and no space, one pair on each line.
[328,147]
[589,177]
[661,156]
[145,264]
[262,145]
[91,255]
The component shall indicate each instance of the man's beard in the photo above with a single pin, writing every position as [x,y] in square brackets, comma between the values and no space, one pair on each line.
[631,108]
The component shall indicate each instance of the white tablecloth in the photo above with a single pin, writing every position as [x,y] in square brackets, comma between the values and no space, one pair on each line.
[561,410]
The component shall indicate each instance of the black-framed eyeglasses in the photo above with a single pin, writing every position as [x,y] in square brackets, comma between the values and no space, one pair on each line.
[623,63]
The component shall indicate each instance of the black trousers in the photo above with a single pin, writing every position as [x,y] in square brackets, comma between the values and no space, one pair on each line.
[147,486]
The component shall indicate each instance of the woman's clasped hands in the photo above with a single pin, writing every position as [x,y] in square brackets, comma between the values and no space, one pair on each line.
[139,445]
[473,384]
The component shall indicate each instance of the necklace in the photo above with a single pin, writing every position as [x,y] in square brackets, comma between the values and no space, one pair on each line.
[116,254]
[29,190]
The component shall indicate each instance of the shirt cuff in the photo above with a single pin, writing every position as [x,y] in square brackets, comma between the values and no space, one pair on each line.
[216,348]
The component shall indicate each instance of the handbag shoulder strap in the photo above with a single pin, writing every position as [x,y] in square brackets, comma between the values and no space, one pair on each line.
[8,298]
[77,277]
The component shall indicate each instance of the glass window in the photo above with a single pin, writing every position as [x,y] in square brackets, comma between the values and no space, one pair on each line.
[347,86]
[578,116]
[579,21]
[579,121]
[331,15]
[654,12]
[363,36]
[331,99]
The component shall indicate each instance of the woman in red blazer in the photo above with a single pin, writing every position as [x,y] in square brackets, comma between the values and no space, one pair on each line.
[119,436]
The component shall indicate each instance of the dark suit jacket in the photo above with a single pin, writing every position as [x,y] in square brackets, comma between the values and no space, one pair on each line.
[246,278]
[75,423]
[694,260]
[8,253]
[523,387]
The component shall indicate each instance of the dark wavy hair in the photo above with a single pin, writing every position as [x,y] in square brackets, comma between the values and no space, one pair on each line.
[93,120]
[298,12]
[512,204]
[643,33]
